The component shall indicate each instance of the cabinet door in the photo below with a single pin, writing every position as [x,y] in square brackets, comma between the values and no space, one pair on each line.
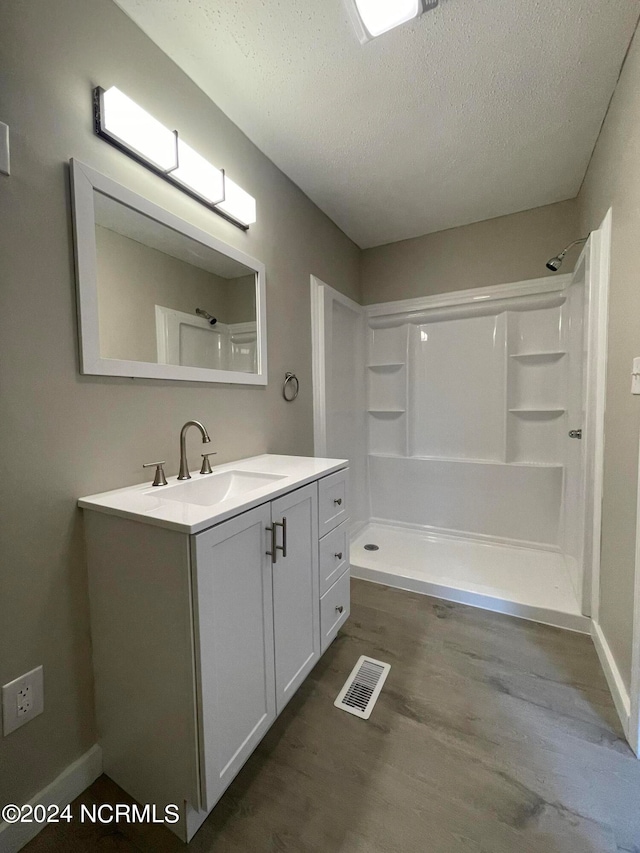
[296,597]
[234,631]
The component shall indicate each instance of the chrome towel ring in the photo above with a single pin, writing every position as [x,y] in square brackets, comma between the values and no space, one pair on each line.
[290,387]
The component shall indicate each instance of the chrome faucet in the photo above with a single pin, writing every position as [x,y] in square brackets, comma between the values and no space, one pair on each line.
[184,465]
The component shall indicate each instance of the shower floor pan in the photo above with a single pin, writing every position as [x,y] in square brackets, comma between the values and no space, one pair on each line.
[525,582]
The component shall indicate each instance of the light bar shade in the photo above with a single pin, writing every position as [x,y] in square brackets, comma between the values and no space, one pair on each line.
[134,128]
[372,18]
[238,203]
[198,174]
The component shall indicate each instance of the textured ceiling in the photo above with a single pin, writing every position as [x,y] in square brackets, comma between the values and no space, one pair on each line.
[478,109]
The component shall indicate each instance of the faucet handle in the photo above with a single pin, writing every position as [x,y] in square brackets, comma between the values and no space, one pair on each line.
[159,479]
[206,465]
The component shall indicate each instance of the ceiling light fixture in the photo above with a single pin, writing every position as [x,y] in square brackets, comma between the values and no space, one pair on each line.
[131,129]
[372,18]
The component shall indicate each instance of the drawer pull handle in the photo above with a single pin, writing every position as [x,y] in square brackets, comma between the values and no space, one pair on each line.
[338,501]
[338,555]
[339,608]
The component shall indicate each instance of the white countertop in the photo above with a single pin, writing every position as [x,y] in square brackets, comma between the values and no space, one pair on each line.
[153,505]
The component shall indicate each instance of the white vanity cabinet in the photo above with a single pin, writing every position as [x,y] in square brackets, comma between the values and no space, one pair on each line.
[201,638]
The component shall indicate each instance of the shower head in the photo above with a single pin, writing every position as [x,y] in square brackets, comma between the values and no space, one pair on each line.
[207,316]
[554,264]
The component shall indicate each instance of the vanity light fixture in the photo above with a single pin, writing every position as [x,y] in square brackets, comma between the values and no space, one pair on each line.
[372,18]
[131,129]
[238,203]
[199,175]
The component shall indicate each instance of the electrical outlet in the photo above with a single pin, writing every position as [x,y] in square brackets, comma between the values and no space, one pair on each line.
[22,700]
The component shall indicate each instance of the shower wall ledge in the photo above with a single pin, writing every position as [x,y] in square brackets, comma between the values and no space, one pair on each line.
[467,460]
[446,533]
[451,495]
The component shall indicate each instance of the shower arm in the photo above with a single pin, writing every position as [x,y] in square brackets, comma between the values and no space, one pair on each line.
[571,245]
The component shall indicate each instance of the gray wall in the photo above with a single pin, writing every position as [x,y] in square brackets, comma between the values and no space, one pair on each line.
[496,251]
[240,303]
[65,435]
[613,180]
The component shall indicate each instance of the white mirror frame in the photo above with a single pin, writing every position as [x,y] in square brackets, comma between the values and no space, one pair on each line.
[84,181]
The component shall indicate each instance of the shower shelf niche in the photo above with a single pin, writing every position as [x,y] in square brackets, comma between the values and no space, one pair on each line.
[526,412]
[539,356]
[387,432]
[387,399]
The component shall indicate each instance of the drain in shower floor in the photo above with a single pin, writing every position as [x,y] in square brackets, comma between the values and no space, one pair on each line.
[371,547]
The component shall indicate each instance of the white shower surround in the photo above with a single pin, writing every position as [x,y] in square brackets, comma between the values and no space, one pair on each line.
[465,400]
[468,509]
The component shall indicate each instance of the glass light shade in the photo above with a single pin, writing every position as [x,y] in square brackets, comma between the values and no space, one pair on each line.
[379,16]
[198,174]
[238,203]
[136,129]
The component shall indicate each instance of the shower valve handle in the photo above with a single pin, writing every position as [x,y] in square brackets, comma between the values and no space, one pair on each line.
[575,433]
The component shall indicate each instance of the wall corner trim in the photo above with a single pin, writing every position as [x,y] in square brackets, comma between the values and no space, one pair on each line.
[75,779]
[619,692]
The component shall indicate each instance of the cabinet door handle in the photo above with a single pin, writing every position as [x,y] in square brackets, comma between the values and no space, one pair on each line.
[338,501]
[283,525]
[273,553]
[338,555]
[339,608]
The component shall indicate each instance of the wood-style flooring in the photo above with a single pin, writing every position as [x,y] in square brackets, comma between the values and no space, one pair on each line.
[491,735]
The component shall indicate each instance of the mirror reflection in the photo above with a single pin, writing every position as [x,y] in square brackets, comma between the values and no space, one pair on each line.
[165,298]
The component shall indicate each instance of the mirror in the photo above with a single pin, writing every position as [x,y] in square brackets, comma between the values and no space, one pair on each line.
[158,297]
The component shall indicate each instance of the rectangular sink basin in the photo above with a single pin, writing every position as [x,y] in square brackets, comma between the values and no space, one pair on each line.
[212,489]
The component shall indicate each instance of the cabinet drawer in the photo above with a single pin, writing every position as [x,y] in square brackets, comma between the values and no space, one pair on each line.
[334,556]
[332,501]
[335,606]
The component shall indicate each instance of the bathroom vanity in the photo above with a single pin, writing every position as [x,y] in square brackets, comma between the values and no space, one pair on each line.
[211,601]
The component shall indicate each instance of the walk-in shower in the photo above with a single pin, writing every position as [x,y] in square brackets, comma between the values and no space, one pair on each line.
[460,414]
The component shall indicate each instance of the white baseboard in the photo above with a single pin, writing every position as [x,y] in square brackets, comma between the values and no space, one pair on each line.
[63,790]
[619,692]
